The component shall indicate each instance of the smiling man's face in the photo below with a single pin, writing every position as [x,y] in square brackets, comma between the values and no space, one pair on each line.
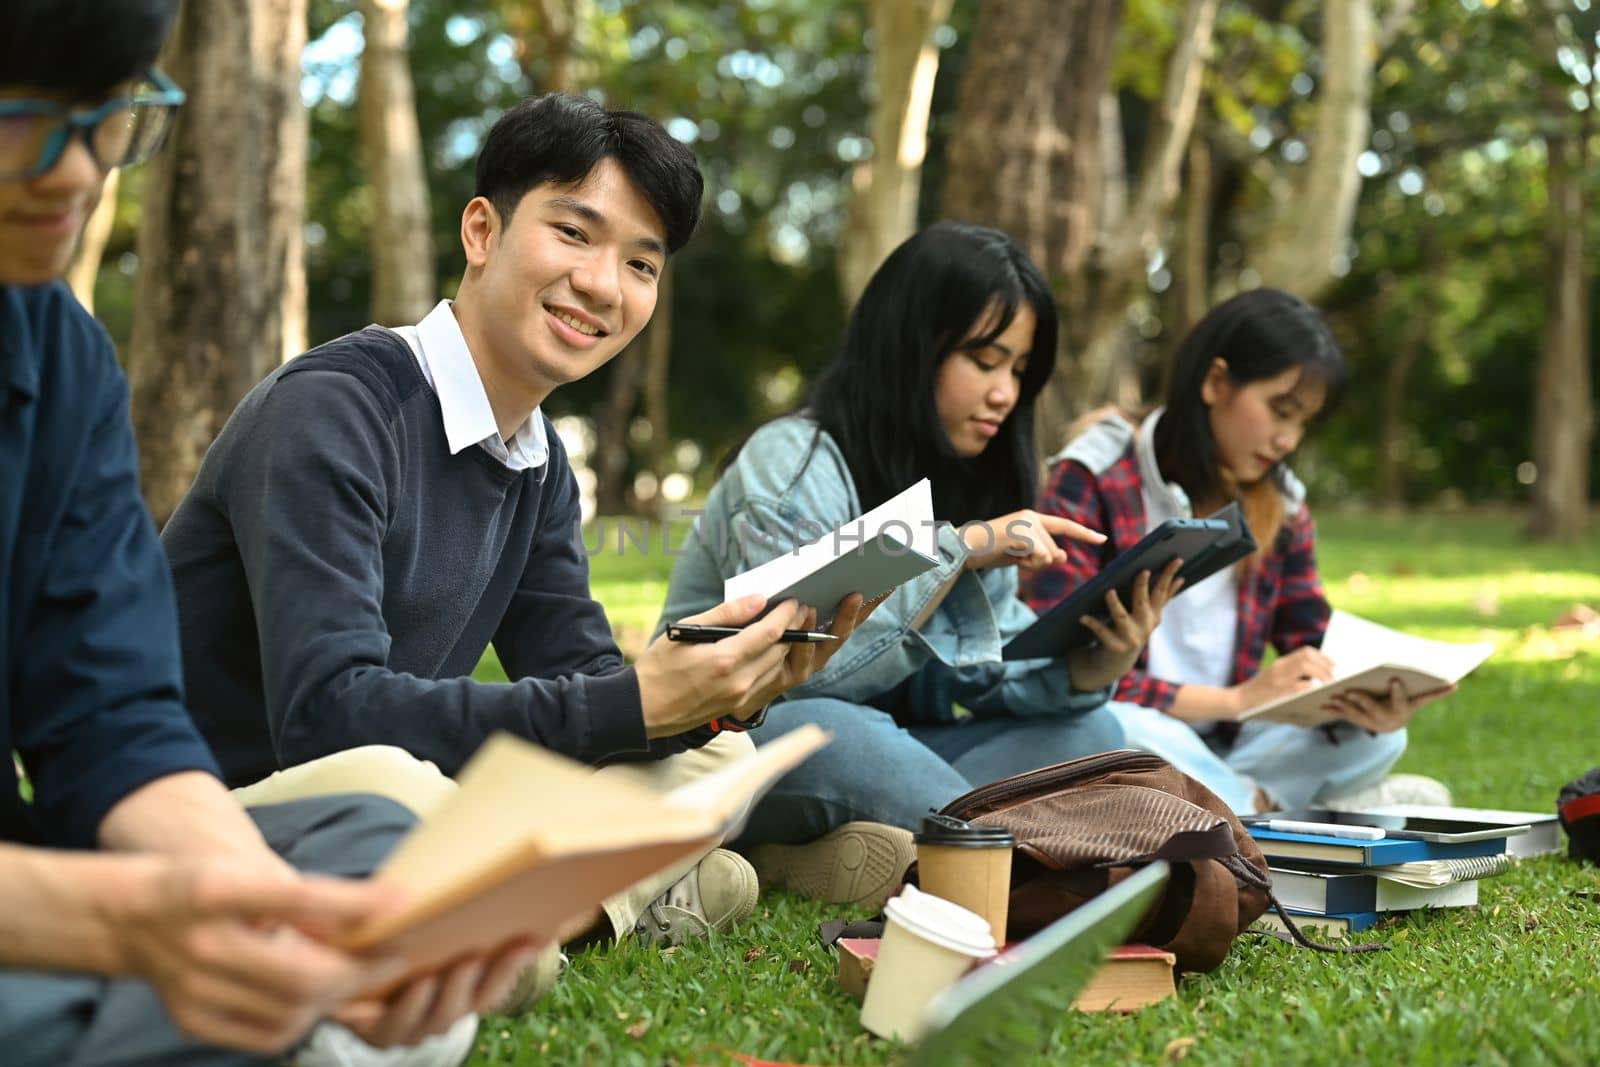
[567,283]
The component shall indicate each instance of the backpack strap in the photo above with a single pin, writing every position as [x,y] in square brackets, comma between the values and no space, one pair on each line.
[1252,877]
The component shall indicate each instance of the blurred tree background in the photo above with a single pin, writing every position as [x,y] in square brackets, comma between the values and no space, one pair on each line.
[1421,169]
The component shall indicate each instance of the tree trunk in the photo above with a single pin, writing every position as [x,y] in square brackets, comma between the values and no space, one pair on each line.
[220,298]
[400,239]
[1304,241]
[1563,409]
[1099,330]
[1192,277]
[85,267]
[546,38]
[611,429]
[639,368]
[884,195]
[657,362]
[1025,155]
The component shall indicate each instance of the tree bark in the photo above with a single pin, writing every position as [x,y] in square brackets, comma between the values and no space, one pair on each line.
[220,297]
[885,189]
[1563,415]
[1025,155]
[639,369]
[657,362]
[400,239]
[611,429]
[1192,278]
[1314,206]
[546,36]
[1118,271]
[85,268]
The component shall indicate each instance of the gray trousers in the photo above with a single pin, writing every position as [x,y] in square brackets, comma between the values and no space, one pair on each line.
[71,1020]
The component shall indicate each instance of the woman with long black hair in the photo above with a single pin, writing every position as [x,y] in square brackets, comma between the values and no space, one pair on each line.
[1248,382]
[942,360]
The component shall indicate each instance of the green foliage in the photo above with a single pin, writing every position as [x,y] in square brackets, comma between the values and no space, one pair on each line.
[771,97]
[774,96]
[1449,257]
[1512,981]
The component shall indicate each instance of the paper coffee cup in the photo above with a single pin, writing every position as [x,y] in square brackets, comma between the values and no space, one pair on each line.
[927,945]
[967,864]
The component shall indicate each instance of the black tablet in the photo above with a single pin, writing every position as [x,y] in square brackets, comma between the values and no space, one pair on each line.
[1205,546]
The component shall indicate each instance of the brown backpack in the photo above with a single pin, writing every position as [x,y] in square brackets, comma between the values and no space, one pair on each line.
[1087,824]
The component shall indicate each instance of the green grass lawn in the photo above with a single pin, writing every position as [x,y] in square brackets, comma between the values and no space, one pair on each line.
[1516,980]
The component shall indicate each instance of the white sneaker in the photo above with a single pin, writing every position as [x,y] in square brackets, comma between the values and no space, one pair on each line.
[1395,789]
[717,893]
[332,1045]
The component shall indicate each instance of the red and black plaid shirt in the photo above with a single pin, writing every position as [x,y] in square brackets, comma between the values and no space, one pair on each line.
[1280,596]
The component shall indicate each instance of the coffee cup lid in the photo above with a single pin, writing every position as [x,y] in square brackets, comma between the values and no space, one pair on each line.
[941,922]
[951,832]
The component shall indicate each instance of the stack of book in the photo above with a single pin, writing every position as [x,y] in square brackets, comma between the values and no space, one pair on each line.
[1335,885]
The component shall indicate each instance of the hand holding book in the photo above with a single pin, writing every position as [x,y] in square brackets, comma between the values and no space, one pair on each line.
[1382,713]
[1365,674]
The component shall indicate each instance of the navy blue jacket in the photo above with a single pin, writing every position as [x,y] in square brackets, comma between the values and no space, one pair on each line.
[340,573]
[90,682]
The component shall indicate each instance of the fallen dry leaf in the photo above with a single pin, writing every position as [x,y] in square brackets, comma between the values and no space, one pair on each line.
[1178,1048]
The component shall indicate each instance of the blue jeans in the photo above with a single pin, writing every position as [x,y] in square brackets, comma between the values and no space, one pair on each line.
[74,1020]
[879,771]
[1293,764]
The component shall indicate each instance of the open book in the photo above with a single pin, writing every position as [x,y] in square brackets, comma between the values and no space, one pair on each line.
[871,555]
[1365,656]
[532,843]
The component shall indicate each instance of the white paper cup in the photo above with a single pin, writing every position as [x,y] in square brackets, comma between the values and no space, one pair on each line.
[928,943]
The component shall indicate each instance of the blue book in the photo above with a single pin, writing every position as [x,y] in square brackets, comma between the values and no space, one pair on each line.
[1335,925]
[1347,851]
[1341,891]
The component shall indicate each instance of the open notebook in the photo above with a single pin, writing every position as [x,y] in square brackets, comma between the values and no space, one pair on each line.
[532,843]
[870,555]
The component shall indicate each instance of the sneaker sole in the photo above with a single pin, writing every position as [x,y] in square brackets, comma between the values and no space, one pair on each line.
[857,863]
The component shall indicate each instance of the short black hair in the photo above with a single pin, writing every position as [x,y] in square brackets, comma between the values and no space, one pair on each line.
[878,400]
[560,138]
[81,48]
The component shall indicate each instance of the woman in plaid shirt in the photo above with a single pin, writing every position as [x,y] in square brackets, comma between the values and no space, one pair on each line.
[1249,380]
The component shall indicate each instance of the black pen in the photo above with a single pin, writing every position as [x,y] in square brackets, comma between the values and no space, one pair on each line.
[695,633]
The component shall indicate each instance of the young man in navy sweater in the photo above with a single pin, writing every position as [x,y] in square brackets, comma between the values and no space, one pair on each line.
[144,916]
[382,508]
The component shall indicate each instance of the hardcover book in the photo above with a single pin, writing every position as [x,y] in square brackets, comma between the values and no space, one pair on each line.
[532,842]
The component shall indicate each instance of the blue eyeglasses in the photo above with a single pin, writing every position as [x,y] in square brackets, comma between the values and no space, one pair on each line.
[35,133]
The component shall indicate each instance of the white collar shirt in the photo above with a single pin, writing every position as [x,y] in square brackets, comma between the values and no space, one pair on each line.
[447,364]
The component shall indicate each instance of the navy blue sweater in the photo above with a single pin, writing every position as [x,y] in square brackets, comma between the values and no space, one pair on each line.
[90,691]
[340,573]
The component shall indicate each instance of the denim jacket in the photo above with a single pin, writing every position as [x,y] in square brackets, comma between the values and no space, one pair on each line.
[788,484]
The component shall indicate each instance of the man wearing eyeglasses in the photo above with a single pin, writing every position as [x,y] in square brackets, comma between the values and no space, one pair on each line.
[144,917]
